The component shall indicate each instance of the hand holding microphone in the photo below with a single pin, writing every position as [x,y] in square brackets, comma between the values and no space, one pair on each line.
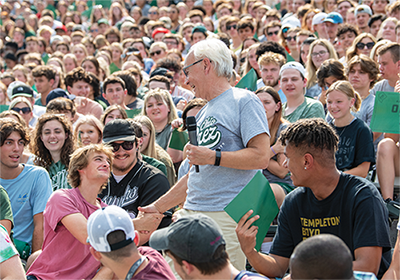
[192,131]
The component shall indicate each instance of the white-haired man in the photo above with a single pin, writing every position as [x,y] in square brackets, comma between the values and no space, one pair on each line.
[233,142]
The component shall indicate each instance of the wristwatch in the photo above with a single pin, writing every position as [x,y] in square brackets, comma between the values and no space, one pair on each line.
[217,157]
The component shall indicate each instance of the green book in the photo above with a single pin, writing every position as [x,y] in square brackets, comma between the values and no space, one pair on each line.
[257,195]
[386,114]
[178,140]
[249,81]
[133,113]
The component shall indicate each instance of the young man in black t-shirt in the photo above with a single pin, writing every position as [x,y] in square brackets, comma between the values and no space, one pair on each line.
[329,201]
[133,183]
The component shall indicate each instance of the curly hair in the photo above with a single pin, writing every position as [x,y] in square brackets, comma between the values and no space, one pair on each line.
[8,126]
[315,133]
[43,157]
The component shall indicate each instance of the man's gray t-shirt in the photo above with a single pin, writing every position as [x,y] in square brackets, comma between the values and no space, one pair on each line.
[366,109]
[382,86]
[227,122]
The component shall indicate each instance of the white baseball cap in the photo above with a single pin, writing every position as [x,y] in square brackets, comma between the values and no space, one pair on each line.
[318,18]
[293,65]
[107,220]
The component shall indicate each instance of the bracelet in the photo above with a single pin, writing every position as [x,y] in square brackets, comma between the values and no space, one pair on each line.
[217,157]
[273,151]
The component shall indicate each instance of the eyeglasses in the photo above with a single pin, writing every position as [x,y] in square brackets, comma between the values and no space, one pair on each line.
[290,38]
[361,46]
[321,53]
[94,30]
[24,110]
[126,145]
[185,68]
[228,27]
[155,53]
[273,33]
[153,13]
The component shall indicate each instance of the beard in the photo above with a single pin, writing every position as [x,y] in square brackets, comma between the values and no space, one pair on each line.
[271,83]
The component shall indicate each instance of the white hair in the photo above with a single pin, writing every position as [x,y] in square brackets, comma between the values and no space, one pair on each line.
[218,53]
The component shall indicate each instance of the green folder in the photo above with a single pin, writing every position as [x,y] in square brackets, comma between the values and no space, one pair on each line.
[386,115]
[249,81]
[257,195]
[178,140]
[133,113]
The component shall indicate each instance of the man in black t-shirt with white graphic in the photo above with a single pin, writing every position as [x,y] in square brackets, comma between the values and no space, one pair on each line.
[328,201]
[133,182]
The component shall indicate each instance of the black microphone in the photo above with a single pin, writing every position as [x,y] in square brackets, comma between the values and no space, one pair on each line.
[192,130]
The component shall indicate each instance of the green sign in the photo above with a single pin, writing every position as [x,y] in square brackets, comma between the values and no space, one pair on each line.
[257,195]
[386,115]
[133,113]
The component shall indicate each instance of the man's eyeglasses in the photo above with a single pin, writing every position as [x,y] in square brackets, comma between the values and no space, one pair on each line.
[126,145]
[185,68]
[361,46]
[273,33]
[290,38]
[24,110]
[155,53]
[228,27]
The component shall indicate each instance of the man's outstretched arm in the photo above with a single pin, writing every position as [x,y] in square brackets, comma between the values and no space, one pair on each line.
[269,265]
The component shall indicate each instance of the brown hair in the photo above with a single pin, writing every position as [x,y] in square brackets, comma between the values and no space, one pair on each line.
[80,160]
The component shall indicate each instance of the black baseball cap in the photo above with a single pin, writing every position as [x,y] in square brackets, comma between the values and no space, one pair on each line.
[58,92]
[22,90]
[194,238]
[118,130]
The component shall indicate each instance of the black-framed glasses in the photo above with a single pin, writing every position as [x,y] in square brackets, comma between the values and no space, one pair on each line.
[369,45]
[155,53]
[24,110]
[186,67]
[290,38]
[228,27]
[126,145]
[273,33]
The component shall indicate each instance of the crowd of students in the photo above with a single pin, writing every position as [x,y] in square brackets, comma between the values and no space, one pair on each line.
[70,69]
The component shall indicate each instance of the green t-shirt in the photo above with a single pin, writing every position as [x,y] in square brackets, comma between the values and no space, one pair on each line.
[113,68]
[310,108]
[156,163]
[58,173]
[5,206]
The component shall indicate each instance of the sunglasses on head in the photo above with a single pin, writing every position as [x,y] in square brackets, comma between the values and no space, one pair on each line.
[24,110]
[273,33]
[290,38]
[155,53]
[286,29]
[234,26]
[126,145]
[369,45]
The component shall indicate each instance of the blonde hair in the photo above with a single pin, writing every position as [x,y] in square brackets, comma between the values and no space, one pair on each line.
[311,74]
[90,120]
[391,19]
[151,147]
[346,88]
[352,51]
[161,96]
[24,71]
[80,160]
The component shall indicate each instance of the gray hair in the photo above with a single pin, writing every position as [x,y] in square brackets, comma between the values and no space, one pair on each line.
[218,53]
